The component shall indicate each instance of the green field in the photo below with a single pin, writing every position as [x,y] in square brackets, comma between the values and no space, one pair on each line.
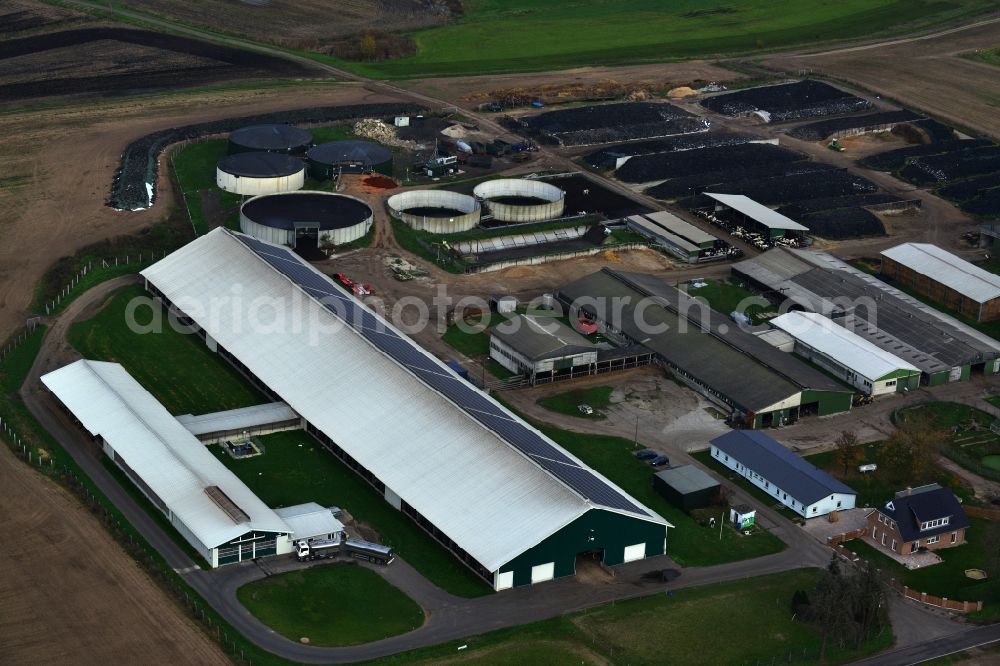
[971,442]
[598,397]
[335,604]
[538,35]
[725,297]
[176,368]
[740,623]
[297,469]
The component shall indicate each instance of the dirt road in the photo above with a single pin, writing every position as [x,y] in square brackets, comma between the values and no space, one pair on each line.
[69,594]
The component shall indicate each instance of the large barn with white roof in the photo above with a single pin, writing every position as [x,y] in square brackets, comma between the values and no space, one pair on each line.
[508,502]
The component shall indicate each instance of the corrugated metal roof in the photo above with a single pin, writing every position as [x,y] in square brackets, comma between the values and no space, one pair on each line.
[672,223]
[309,520]
[687,479]
[490,499]
[238,419]
[771,219]
[775,463]
[941,266]
[540,338]
[838,343]
[649,228]
[177,467]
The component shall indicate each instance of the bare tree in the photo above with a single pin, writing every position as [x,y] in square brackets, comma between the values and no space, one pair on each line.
[848,453]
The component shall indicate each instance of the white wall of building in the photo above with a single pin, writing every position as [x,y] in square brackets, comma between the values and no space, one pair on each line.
[834,502]
[518,363]
[849,375]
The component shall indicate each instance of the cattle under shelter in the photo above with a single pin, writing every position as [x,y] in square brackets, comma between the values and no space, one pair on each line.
[686,487]
[215,512]
[758,385]
[945,278]
[943,348]
[756,217]
[508,502]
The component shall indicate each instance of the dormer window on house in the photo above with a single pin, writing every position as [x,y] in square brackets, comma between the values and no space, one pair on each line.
[930,524]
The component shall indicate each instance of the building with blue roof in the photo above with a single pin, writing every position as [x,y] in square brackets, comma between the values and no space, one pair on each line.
[790,480]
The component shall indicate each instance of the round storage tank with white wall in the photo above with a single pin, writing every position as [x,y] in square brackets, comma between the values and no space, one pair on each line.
[435,211]
[290,217]
[521,199]
[260,173]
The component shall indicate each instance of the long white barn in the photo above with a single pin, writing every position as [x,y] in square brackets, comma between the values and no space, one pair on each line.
[511,504]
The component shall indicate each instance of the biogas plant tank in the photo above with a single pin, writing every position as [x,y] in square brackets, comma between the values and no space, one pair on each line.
[521,199]
[435,211]
[288,217]
[260,173]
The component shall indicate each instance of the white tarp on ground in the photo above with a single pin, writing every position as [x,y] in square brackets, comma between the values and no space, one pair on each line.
[169,459]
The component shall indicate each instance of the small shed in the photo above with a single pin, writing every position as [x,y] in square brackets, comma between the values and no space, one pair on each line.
[742,516]
[503,304]
[686,487]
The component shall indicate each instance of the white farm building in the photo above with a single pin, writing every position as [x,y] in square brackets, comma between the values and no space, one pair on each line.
[508,502]
[805,489]
[847,355]
[534,346]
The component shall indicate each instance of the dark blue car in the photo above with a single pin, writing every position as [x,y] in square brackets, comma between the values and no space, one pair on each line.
[646,454]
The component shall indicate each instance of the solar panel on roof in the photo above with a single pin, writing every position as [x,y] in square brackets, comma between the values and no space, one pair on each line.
[582,480]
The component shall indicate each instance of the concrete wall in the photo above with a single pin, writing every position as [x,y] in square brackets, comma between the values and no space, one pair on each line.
[254,186]
[399,203]
[521,187]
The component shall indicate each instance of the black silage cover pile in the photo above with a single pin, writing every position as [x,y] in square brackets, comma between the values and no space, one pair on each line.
[685,186]
[660,166]
[139,159]
[952,165]
[606,157]
[822,129]
[608,123]
[891,160]
[789,189]
[788,101]
[809,206]
[843,223]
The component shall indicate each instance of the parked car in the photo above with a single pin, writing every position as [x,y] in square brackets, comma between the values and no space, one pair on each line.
[646,454]
[659,461]
[585,409]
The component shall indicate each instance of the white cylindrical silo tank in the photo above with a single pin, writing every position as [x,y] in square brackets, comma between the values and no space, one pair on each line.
[435,211]
[260,173]
[521,199]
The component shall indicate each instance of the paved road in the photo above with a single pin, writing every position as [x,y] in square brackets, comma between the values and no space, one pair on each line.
[936,648]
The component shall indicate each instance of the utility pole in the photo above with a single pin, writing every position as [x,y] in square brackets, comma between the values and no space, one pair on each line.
[635,440]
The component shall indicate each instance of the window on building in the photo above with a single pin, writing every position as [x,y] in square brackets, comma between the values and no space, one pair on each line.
[933,539]
[838,504]
[930,524]
[891,382]
[874,531]
[784,496]
[814,510]
[894,545]
[883,538]
[915,546]
[954,537]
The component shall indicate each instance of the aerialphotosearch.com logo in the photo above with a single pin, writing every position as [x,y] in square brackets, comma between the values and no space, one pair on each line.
[309,319]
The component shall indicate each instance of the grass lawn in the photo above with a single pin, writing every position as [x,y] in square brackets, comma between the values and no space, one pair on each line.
[683,629]
[178,369]
[297,469]
[598,397]
[972,444]
[538,35]
[946,579]
[691,543]
[334,604]
[989,56]
[725,297]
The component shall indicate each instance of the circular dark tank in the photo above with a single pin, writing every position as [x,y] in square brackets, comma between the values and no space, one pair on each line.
[261,165]
[519,200]
[270,138]
[327,210]
[326,159]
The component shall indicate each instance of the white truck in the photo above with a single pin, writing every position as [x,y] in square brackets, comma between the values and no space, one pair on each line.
[318,549]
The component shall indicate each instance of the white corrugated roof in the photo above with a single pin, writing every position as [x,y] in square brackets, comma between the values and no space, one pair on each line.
[309,520]
[486,496]
[840,344]
[660,231]
[944,267]
[238,419]
[771,219]
[168,458]
[684,229]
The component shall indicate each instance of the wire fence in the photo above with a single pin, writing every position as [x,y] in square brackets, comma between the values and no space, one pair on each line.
[97,270]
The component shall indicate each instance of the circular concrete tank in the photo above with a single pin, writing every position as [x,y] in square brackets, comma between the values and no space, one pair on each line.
[260,173]
[521,199]
[290,218]
[436,211]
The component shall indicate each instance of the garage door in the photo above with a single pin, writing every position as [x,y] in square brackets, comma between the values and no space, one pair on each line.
[543,572]
[505,580]
[636,552]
